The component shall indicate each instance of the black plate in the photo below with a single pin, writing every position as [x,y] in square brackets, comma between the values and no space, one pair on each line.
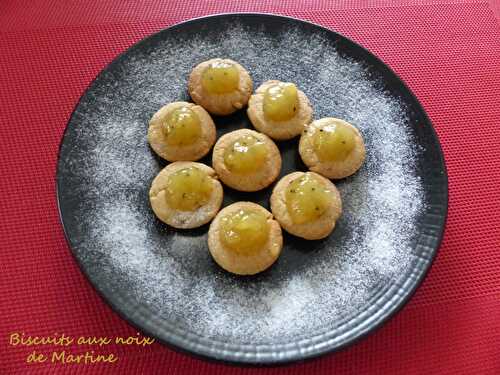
[320,295]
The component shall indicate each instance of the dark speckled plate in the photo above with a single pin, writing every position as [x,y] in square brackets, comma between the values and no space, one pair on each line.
[320,295]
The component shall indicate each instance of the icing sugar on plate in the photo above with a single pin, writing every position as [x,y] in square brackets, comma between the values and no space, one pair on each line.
[314,286]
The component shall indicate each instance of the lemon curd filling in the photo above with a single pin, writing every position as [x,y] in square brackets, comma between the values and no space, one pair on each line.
[244,231]
[281,101]
[220,78]
[181,127]
[334,142]
[307,199]
[188,189]
[247,154]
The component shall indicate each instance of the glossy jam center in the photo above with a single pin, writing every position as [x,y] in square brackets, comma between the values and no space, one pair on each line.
[281,102]
[244,231]
[334,142]
[247,154]
[182,127]
[220,78]
[188,189]
[307,199]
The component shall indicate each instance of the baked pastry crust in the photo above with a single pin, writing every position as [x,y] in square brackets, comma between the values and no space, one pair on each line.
[241,264]
[331,169]
[192,152]
[313,230]
[248,181]
[279,130]
[184,219]
[220,104]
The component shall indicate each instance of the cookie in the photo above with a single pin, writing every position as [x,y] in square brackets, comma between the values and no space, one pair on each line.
[186,194]
[340,154]
[281,119]
[306,205]
[244,239]
[181,131]
[246,160]
[221,86]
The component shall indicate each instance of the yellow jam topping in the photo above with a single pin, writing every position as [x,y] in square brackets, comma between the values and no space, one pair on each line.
[334,142]
[244,231]
[247,154]
[220,78]
[281,101]
[188,189]
[307,199]
[182,127]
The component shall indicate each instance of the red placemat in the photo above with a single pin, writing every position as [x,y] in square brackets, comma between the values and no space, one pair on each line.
[448,52]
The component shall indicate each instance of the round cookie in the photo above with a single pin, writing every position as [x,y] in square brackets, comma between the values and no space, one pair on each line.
[157,137]
[243,263]
[312,230]
[279,130]
[220,103]
[332,169]
[184,218]
[252,180]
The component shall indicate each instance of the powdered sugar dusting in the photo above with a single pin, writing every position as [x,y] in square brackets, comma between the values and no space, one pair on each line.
[171,271]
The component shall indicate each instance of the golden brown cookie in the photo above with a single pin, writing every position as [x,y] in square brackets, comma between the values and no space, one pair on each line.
[244,238]
[181,131]
[221,86]
[279,129]
[330,157]
[246,160]
[186,194]
[301,217]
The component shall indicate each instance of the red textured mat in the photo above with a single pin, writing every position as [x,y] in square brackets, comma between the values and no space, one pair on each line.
[448,52]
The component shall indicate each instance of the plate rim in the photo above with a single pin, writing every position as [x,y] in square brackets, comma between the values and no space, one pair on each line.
[254,357]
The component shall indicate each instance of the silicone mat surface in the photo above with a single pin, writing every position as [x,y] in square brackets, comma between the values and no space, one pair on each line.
[447,52]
